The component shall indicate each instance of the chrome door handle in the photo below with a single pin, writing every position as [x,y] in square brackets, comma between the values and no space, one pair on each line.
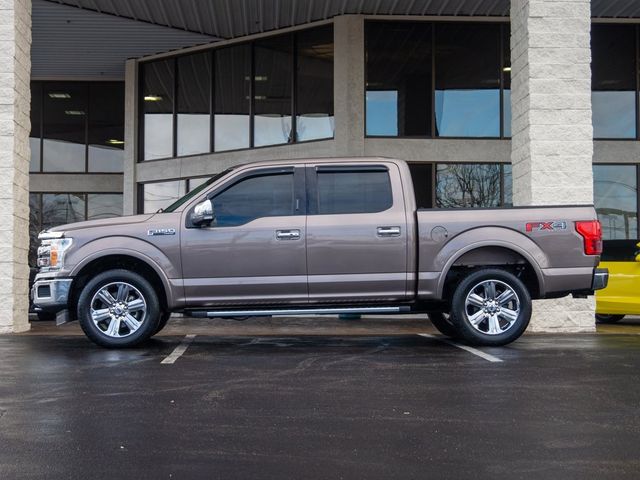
[388,231]
[288,234]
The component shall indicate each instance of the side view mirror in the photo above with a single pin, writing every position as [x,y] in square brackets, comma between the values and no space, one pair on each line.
[202,214]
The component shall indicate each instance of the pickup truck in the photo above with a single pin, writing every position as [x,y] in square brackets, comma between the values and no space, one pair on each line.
[316,236]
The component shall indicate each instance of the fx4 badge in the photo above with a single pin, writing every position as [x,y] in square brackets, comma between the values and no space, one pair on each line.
[546,226]
[161,231]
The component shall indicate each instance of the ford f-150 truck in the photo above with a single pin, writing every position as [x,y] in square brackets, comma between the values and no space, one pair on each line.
[317,236]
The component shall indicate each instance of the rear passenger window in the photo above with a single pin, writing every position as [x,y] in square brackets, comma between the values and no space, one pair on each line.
[362,191]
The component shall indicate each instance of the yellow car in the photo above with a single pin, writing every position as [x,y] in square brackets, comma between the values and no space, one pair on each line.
[622,295]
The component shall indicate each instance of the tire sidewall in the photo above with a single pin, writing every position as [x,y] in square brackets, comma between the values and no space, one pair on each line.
[458,311]
[149,325]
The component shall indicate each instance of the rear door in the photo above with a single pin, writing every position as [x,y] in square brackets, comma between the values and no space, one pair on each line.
[356,233]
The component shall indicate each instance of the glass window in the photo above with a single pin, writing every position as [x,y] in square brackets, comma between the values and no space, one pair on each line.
[353,192]
[36,127]
[616,200]
[254,197]
[161,194]
[398,97]
[157,91]
[613,81]
[232,98]
[106,127]
[467,80]
[507,182]
[506,81]
[194,93]
[64,127]
[467,185]
[104,205]
[62,208]
[272,91]
[35,227]
[314,102]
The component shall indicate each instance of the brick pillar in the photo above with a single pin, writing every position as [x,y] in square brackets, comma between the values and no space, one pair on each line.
[15,126]
[552,135]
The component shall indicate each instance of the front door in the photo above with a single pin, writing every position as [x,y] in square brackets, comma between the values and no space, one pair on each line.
[254,251]
[356,234]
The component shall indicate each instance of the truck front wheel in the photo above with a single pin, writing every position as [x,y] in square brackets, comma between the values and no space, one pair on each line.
[490,307]
[118,308]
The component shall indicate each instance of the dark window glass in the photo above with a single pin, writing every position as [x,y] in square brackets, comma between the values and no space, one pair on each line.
[506,79]
[103,205]
[161,194]
[613,81]
[254,197]
[35,227]
[232,86]
[106,127]
[467,80]
[421,176]
[272,91]
[36,127]
[194,93]
[507,185]
[398,97]
[615,193]
[65,127]
[314,100]
[62,208]
[157,94]
[468,185]
[354,192]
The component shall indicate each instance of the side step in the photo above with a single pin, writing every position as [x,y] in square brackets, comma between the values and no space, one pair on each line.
[298,311]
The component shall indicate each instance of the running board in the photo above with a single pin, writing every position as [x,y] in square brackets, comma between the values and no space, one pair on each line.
[301,311]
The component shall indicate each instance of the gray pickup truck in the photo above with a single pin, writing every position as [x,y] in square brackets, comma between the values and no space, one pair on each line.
[316,236]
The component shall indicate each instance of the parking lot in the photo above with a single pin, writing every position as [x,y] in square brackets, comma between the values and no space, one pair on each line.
[301,399]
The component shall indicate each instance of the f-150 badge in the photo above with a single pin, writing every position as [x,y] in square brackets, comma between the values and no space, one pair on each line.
[546,226]
[161,231]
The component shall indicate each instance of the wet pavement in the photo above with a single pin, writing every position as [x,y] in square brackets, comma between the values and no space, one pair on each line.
[386,403]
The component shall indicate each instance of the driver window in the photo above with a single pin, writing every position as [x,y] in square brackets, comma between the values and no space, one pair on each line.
[255,197]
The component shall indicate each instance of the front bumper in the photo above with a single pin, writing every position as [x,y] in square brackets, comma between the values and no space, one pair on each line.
[600,279]
[51,294]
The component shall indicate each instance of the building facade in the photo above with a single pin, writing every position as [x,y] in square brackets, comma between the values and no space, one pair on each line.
[491,103]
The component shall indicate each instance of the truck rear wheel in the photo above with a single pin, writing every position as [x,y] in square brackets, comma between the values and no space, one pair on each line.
[443,324]
[118,309]
[490,307]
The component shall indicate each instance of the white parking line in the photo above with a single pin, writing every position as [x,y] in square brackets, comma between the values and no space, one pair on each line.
[488,357]
[179,350]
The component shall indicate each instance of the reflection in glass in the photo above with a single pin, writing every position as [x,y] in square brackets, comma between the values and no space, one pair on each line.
[398,97]
[506,82]
[64,127]
[467,80]
[194,86]
[104,205]
[35,227]
[272,91]
[106,127]
[158,109]
[468,185]
[315,84]
[62,208]
[507,185]
[616,200]
[353,192]
[232,86]
[613,81]
[162,194]
[36,127]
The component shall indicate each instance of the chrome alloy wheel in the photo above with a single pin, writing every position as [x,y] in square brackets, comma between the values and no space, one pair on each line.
[492,307]
[118,309]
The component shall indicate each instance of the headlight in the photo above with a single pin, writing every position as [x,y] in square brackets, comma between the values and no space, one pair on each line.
[52,249]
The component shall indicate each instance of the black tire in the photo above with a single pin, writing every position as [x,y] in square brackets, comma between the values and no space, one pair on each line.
[603,318]
[494,326]
[148,320]
[164,318]
[441,321]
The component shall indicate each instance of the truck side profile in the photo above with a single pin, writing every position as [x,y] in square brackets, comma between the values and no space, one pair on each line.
[316,236]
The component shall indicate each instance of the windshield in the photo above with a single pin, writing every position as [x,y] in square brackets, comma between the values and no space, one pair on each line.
[196,191]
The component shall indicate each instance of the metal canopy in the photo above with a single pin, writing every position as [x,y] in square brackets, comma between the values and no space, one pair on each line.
[236,18]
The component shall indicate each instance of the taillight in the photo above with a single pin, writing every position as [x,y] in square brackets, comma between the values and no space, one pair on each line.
[592,234]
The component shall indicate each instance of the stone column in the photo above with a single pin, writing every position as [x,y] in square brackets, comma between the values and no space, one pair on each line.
[552,135]
[130,191]
[348,84]
[15,126]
